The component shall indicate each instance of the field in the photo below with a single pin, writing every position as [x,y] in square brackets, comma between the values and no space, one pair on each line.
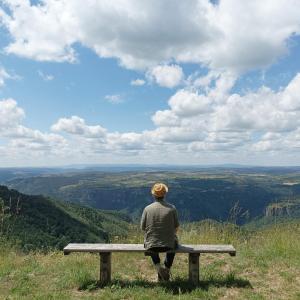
[267,266]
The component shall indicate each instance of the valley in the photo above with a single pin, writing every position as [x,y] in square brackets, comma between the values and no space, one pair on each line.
[222,194]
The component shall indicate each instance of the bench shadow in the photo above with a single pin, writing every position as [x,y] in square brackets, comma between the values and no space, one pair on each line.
[176,286]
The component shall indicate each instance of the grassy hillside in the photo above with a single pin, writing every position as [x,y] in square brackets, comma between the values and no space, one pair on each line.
[39,222]
[196,194]
[267,266]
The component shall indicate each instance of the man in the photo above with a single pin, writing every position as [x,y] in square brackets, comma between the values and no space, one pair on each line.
[160,223]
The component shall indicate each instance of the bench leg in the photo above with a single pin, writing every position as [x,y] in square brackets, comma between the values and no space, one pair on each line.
[105,267]
[194,267]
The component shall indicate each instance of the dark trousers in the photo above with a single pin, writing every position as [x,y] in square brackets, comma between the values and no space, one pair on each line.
[156,259]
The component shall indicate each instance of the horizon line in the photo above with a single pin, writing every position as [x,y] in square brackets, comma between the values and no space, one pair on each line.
[132,165]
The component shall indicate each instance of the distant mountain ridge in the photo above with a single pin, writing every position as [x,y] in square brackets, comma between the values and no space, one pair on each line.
[17,172]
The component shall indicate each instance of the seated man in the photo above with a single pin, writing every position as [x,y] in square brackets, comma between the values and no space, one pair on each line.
[160,223]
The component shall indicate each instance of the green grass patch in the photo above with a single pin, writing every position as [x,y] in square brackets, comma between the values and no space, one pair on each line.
[266,267]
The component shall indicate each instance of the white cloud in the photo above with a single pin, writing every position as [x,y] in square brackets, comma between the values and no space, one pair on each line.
[4,75]
[44,32]
[77,126]
[10,114]
[23,140]
[114,99]
[221,141]
[45,77]
[36,140]
[165,118]
[138,82]
[174,135]
[261,126]
[290,100]
[264,120]
[188,103]
[232,35]
[125,141]
[166,76]
[255,111]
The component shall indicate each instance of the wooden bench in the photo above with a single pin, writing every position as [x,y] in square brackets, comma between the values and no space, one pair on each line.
[105,251]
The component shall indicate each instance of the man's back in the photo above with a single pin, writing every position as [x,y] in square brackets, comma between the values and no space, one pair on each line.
[159,220]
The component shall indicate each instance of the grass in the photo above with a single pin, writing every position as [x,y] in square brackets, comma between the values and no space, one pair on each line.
[267,266]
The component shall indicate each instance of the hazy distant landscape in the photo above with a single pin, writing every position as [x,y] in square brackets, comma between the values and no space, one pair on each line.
[223,194]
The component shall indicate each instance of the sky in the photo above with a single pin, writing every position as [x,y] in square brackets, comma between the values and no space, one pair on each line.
[150,82]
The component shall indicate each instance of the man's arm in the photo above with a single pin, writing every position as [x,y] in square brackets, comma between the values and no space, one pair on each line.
[143,220]
[176,222]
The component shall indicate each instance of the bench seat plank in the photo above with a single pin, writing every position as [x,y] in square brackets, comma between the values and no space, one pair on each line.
[105,251]
[98,248]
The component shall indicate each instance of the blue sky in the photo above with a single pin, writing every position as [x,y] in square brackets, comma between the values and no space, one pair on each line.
[80,89]
[214,85]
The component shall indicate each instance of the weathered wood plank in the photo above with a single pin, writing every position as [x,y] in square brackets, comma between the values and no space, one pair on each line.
[105,267]
[194,267]
[100,248]
[105,251]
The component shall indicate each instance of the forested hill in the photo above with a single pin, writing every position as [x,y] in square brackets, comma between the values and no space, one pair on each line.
[39,222]
[215,194]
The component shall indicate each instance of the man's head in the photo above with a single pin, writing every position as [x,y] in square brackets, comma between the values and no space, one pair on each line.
[159,190]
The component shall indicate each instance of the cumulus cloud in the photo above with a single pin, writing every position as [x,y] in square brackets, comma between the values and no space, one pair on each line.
[43,32]
[10,114]
[260,120]
[256,111]
[230,35]
[221,141]
[264,120]
[165,118]
[138,82]
[166,76]
[125,141]
[77,126]
[290,99]
[24,140]
[197,124]
[189,103]
[174,135]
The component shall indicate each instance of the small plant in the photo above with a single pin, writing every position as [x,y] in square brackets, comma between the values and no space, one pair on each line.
[237,213]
